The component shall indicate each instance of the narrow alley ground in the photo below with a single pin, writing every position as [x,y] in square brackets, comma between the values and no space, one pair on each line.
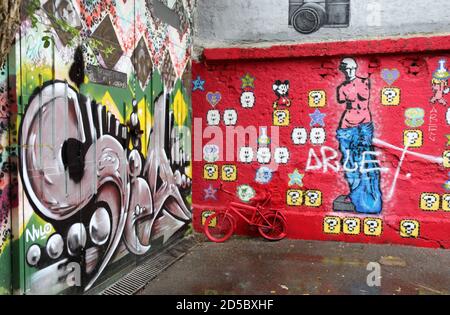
[255,266]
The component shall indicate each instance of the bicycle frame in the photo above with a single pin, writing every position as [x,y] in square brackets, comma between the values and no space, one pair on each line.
[256,215]
[271,223]
[258,211]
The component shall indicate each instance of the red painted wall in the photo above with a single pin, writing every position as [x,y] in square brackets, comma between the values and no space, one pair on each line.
[421,173]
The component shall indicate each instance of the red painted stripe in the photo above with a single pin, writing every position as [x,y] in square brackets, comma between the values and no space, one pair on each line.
[357,47]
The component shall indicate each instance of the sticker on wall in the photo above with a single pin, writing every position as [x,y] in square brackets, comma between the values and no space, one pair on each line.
[448,140]
[317,136]
[211,153]
[248,81]
[213,98]
[351,226]
[317,118]
[263,155]
[205,215]
[213,117]
[230,117]
[246,155]
[313,198]
[281,118]
[299,136]
[332,225]
[447,183]
[440,84]
[414,117]
[446,202]
[296,178]
[281,90]
[210,193]
[373,226]
[317,99]
[390,96]
[264,175]
[198,84]
[248,98]
[245,193]
[281,155]
[294,197]
[446,159]
[390,76]
[263,139]
[211,172]
[229,173]
[447,116]
[409,228]
[429,201]
[413,138]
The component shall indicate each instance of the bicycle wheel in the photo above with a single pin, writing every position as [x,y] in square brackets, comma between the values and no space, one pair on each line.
[277,230]
[219,227]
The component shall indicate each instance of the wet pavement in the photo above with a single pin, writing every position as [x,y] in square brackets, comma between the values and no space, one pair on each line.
[253,266]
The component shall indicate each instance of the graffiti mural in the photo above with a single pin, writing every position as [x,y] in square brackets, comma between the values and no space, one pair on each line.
[358,149]
[7,197]
[104,138]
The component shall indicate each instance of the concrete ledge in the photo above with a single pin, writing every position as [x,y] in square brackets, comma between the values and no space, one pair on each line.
[326,49]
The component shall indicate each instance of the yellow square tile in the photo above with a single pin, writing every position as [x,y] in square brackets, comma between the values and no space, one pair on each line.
[294,197]
[281,118]
[205,215]
[317,98]
[373,226]
[413,138]
[332,225]
[229,173]
[429,201]
[351,226]
[446,159]
[211,172]
[313,198]
[409,228]
[446,202]
[390,96]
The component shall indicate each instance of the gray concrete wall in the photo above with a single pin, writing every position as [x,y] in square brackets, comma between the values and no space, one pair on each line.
[222,23]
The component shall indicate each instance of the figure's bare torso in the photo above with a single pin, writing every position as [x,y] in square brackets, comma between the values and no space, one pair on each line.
[356,95]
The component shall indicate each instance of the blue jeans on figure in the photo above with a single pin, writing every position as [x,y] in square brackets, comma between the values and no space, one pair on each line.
[363,180]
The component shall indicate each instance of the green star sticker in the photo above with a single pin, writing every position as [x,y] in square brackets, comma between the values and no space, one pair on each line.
[248,81]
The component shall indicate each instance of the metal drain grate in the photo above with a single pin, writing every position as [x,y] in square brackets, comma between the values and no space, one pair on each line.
[143,274]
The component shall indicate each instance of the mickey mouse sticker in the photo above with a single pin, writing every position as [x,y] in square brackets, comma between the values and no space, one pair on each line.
[281,90]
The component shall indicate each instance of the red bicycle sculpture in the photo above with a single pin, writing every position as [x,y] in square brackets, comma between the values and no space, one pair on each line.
[271,223]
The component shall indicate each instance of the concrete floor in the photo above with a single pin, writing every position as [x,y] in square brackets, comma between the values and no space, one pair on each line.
[255,266]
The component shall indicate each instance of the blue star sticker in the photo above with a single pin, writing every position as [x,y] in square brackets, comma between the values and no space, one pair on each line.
[210,193]
[198,84]
[317,118]
[296,178]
